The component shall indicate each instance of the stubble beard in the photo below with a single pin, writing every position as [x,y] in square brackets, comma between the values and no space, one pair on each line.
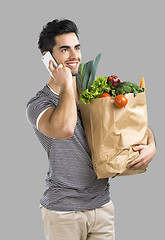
[74,73]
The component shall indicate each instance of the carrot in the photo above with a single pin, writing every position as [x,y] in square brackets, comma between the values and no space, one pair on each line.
[142,83]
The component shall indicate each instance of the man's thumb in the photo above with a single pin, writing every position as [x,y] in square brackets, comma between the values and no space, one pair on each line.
[137,148]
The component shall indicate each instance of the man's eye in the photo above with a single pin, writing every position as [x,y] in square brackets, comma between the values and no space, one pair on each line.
[64,50]
[78,48]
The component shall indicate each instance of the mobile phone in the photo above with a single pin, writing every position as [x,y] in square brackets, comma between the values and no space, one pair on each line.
[46,58]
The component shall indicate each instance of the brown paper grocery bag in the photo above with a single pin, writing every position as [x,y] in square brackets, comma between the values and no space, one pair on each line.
[112,132]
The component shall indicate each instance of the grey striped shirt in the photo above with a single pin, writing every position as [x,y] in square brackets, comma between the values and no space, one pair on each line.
[71,183]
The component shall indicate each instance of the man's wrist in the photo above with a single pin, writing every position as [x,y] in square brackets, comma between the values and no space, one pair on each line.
[66,88]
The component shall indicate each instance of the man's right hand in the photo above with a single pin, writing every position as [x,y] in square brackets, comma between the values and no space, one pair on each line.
[62,75]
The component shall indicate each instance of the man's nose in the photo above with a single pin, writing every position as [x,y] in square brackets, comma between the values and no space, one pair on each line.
[73,54]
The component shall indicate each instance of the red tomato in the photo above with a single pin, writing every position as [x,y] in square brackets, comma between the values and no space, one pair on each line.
[105,95]
[121,101]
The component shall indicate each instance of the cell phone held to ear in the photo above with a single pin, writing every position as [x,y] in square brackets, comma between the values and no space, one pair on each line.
[46,59]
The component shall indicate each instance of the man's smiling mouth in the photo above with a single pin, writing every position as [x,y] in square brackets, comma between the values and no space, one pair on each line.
[72,64]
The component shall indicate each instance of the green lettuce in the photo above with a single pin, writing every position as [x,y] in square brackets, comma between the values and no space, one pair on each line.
[98,87]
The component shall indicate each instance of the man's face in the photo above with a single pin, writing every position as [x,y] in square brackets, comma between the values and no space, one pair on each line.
[67,51]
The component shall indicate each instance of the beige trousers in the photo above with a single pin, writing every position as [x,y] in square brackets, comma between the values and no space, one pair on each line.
[95,224]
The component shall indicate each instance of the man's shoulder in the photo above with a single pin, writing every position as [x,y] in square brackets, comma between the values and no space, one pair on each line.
[43,93]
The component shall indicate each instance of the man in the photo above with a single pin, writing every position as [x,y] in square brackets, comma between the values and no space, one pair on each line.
[75,204]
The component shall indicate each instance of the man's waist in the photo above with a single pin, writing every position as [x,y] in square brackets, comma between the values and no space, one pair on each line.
[64,212]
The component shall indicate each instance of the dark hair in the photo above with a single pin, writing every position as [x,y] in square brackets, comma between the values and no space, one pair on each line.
[51,30]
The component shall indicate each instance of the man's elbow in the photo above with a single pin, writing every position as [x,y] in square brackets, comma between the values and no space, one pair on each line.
[60,132]
[68,132]
[63,132]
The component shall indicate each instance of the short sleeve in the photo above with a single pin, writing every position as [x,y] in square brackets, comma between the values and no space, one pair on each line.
[36,108]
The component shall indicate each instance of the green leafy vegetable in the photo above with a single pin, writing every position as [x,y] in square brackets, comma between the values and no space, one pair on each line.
[89,88]
[93,71]
[98,87]
[127,87]
[86,74]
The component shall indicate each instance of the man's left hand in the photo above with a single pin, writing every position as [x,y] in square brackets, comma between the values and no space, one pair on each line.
[147,152]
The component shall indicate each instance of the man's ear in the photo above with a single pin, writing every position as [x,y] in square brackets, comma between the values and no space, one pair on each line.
[44,52]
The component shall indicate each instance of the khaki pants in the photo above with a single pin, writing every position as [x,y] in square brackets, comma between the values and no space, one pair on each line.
[95,224]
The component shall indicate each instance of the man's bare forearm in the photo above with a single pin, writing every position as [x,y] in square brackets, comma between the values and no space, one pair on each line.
[151,137]
[64,117]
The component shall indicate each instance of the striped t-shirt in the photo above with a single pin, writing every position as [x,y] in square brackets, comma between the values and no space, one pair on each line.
[71,183]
